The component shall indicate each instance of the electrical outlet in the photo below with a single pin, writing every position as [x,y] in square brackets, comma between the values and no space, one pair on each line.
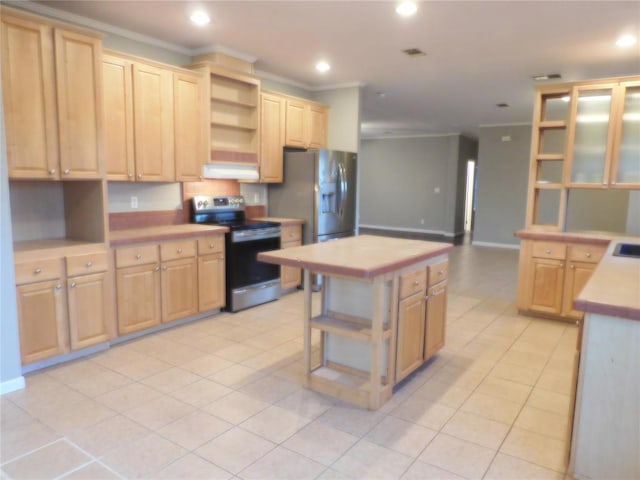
[134,202]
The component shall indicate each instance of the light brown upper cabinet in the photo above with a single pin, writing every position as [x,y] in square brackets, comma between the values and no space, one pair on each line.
[272,128]
[585,136]
[604,136]
[156,125]
[52,88]
[306,124]
[190,125]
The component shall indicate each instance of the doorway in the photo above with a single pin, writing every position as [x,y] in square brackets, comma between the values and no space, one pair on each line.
[470,195]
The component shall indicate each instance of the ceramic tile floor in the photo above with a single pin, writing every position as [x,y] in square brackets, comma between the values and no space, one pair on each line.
[221,398]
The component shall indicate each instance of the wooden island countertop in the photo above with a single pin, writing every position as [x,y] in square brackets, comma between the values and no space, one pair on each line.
[364,256]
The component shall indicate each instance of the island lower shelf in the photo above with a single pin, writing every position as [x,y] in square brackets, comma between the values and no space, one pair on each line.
[376,322]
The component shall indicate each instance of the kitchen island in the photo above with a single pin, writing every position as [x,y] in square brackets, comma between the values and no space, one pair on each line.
[383,309]
[605,440]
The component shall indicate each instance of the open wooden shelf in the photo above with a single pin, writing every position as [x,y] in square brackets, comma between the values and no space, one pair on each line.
[552,124]
[237,103]
[542,185]
[550,157]
[352,327]
[233,126]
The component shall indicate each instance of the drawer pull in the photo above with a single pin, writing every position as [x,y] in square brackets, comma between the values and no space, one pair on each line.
[66,171]
[547,251]
[52,171]
[416,282]
[573,267]
[58,287]
[221,257]
[588,254]
[562,264]
[164,268]
[211,246]
[179,250]
[37,271]
[157,269]
[139,175]
[440,272]
[138,256]
[89,264]
[130,175]
[73,284]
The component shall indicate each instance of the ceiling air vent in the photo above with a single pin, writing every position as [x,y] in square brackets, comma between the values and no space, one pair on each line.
[502,105]
[546,76]
[414,52]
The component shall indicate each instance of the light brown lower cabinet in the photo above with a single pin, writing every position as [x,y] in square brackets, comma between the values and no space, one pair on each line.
[71,311]
[42,320]
[552,274]
[422,314]
[179,279]
[138,297]
[435,321]
[411,326]
[89,311]
[211,282]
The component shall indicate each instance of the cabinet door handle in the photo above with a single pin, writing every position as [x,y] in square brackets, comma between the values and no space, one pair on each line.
[138,256]
[440,272]
[73,284]
[588,254]
[157,269]
[179,250]
[416,282]
[164,268]
[66,171]
[139,175]
[52,171]
[211,246]
[573,266]
[221,257]
[130,175]
[89,264]
[37,271]
[58,286]
[548,252]
[562,264]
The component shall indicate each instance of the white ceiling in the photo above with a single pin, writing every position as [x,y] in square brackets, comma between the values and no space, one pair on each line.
[479,53]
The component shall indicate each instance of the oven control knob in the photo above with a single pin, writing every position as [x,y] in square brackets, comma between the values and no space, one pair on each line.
[205,203]
[199,203]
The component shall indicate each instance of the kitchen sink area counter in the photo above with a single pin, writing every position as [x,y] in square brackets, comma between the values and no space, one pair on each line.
[382,315]
[607,393]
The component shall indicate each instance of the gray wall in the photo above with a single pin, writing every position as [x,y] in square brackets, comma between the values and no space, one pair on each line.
[285,88]
[503,170]
[10,369]
[344,117]
[399,178]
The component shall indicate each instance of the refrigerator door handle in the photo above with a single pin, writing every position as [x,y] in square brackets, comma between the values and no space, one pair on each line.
[343,187]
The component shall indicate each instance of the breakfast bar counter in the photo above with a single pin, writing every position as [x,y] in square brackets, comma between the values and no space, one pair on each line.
[383,307]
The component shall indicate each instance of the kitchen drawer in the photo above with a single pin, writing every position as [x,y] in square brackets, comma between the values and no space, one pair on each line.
[438,272]
[555,250]
[38,270]
[213,244]
[586,253]
[413,282]
[291,233]
[138,255]
[87,263]
[175,250]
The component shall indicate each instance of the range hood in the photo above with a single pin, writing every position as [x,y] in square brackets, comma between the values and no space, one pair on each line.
[231,171]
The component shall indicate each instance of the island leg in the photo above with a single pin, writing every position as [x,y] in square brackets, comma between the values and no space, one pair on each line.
[307,326]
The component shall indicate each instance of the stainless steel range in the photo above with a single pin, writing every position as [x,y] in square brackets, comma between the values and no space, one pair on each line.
[248,281]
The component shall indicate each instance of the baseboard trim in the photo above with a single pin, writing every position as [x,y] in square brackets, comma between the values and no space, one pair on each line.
[402,229]
[12,385]
[495,245]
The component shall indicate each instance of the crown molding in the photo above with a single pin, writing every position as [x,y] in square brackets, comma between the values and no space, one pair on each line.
[337,86]
[225,50]
[277,78]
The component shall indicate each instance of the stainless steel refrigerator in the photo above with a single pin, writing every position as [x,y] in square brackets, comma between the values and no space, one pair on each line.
[320,188]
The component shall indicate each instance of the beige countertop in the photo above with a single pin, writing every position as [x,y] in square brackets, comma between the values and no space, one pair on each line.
[166,232]
[601,238]
[282,221]
[364,256]
[614,287]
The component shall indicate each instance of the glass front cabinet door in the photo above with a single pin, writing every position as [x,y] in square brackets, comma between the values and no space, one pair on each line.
[625,168]
[604,137]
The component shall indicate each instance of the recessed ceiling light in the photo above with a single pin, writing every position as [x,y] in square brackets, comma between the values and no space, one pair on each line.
[406,9]
[200,18]
[323,66]
[626,41]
